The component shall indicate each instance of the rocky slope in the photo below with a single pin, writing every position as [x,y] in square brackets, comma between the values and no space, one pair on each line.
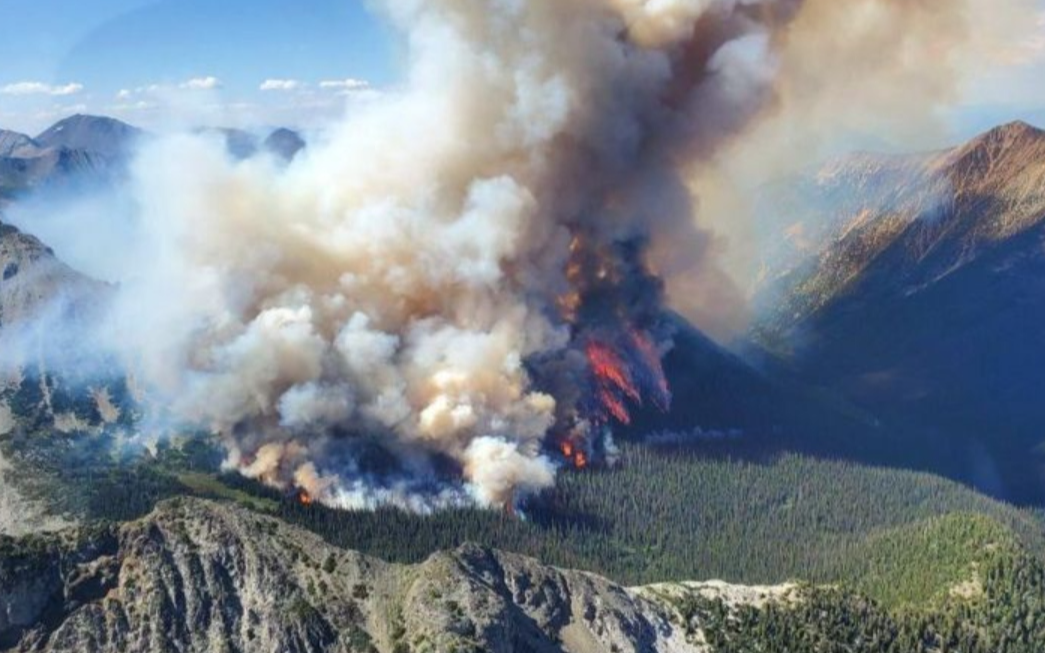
[916,284]
[32,278]
[34,284]
[201,576]
[50,382]
[14,143]
[20,515]
[912,220]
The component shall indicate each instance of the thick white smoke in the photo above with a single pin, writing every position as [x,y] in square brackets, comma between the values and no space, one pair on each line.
[392,287]
[391,284]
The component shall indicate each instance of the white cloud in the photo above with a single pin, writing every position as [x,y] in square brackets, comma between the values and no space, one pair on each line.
[26,88]
[345,85]
[68,89]
[140,105]
[201,84]
[280,85]
[40,88]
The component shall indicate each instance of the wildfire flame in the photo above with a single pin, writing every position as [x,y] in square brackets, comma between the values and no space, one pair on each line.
[305,499]
[608,298]
[625,371]
[610,370]
[580,460]
[574,454]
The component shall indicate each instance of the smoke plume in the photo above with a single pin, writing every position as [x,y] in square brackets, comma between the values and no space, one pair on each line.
[848,75]
[461,287]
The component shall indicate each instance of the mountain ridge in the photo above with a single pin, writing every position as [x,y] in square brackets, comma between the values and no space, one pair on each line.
[120,590]
[921,301]
[197,575]
[99,134]
[83,150]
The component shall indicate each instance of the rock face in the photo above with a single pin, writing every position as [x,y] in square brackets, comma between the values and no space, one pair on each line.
[20,516]
[46,310]
[909,220]
[201,576]
[15,144]
[915,285]
[38,574]
[28,169]
[31,277]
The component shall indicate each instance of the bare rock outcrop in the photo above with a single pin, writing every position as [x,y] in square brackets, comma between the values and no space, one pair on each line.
[201,576]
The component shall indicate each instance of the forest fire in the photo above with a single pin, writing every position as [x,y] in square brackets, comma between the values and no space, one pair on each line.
[629,372]
[574,454]
[614,306]
[305,499]
[624,371]
[613,381]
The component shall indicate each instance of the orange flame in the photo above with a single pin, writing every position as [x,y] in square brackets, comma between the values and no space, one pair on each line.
[614,406]
[305,498]
[610,370]
[623,377]
[624,362]
[570,302]
[580,460]
[574,454]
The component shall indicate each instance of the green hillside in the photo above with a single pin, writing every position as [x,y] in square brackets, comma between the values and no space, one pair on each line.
[887,561]
[662,514]
[673,514]
[960,583]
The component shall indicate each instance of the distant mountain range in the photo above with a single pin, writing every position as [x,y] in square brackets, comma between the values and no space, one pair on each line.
[88,150]
[916,285]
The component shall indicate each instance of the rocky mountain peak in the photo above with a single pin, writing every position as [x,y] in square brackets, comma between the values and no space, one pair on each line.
[97,134]
[15,144]
[1000,156]
[1011,133]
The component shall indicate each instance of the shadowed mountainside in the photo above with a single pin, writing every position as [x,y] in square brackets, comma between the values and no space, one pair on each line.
[920,295]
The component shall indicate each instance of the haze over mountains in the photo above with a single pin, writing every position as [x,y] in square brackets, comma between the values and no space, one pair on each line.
[94,149]
[910,284]
[916,284]
[899,327]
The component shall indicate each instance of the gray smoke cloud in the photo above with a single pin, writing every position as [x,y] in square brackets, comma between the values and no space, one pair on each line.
[441,274]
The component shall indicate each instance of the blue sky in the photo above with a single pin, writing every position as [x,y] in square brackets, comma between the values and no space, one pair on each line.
[284,62]
[139,58]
